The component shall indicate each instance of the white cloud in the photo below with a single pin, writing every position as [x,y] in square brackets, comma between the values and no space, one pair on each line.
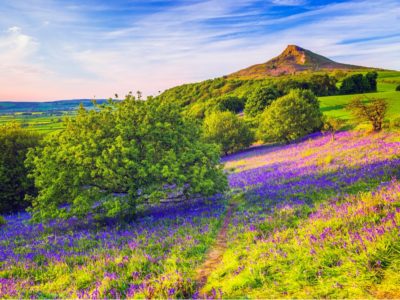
[55,52]
[289,2]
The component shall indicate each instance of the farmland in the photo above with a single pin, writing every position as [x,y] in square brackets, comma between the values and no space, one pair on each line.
[43,117]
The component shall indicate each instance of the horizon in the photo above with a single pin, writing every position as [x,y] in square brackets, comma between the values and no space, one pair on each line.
[127,46]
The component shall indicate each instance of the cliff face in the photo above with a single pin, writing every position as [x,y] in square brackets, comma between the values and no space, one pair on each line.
[292,60]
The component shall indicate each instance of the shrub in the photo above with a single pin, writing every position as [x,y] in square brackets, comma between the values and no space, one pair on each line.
[398,88]
[259,100]
[227,130]
[291,117]
[396,122]
[109,160]
[332,125]
[14,182]
[374,112]
[230,103]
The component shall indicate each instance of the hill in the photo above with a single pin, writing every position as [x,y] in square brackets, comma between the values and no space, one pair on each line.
[313,219]
[292,60]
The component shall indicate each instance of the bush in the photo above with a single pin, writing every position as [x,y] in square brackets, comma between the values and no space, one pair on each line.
[259,100]
[332,125]
[374,112]
[230,103]
[398,88]
[227,130]
[396,122]
[109,160]
[2,221]
[14,182]
[291,117]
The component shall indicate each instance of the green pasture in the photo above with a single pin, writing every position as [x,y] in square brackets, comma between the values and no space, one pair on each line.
[387,82]
[41,122]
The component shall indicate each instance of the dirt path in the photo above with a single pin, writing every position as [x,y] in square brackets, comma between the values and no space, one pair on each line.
[214,256]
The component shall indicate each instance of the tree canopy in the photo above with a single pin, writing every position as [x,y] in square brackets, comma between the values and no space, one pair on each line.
[358,83]
[260,99]
[227,130]
[110,159]
[290,117]
[14,183]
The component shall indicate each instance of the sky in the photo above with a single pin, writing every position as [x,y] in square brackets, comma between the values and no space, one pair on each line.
[74,49]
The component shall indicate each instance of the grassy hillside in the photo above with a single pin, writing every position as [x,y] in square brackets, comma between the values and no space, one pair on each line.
[314,219]
[387,83]
[317,219]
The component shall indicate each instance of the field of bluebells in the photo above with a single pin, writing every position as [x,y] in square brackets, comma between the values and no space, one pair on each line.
[153,257]
[317,218]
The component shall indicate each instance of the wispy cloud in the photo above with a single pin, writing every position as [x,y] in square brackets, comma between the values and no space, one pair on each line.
[70,50]
[289,2]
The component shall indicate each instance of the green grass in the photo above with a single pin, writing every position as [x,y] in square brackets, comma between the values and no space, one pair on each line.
[387,81]
[40,122]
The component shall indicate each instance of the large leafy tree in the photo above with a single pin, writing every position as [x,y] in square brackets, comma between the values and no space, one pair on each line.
[260,98]
[110,159]
[291,117]
[14,183]
[227,130]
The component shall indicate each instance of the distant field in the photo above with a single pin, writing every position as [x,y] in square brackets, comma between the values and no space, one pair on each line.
[41,122]
[41,116]
[387,82]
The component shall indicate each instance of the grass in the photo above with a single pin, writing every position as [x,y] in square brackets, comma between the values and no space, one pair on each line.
[387,81]
[314,219]
[41,122]
[320,220]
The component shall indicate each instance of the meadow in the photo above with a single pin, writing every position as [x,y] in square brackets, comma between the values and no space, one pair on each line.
[335,106]
[316,218]
[43,117]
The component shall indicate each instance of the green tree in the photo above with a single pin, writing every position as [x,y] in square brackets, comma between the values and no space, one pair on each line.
[374,112]
[109,160]
[323,85]
[14,183]
[290,117]
[230,103]
[371,78]
[358,83]
[261,98]
[332,125]
[227,130]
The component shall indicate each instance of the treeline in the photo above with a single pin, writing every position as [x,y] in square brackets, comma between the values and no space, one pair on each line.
[232,94]
[15,183]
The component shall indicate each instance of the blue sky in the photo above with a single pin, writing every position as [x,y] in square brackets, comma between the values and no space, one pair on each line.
[82,49]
